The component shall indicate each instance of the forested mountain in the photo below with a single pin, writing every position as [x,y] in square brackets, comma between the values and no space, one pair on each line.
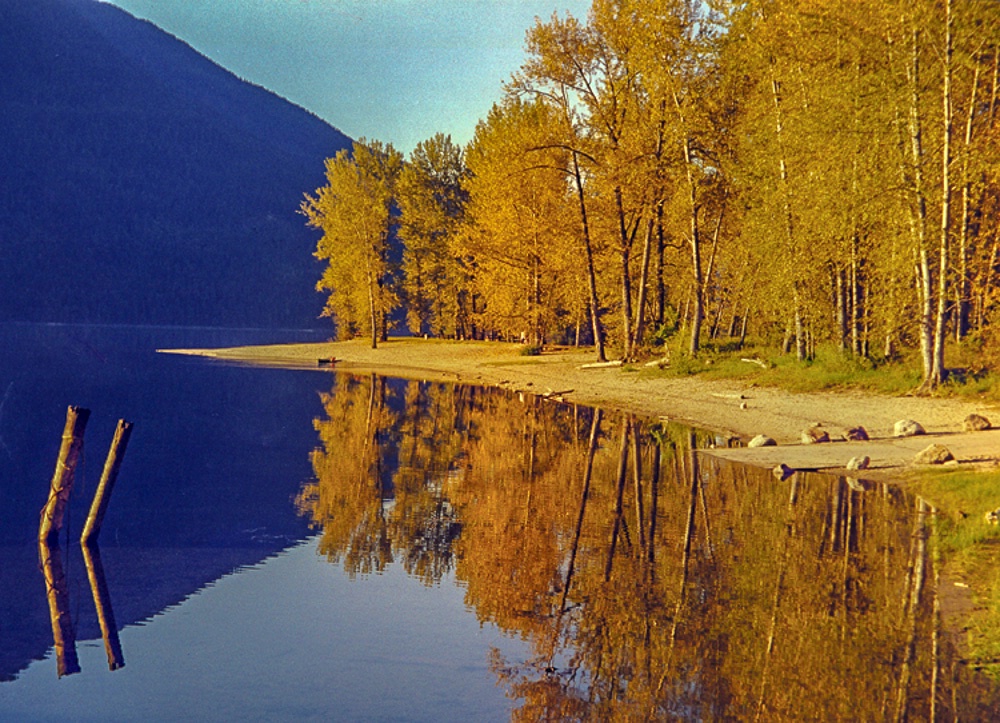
[143,183]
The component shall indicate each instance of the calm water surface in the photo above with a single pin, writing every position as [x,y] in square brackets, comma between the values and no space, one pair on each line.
[303,545]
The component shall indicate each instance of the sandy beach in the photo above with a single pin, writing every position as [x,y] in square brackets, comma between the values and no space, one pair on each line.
[733,408]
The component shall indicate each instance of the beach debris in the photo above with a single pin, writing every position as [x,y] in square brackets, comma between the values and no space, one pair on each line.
[907,428]
[782,472]
[975,423]
[762,440]
[743,405]
[730,395]
[855,434]
[556,396]
[993,517]
[934,454]
[815,435]
[326,362]
[856,463]
[602,365]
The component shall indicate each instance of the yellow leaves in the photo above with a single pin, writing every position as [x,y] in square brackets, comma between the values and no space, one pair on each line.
[431,203]
[520,213]
[353,210]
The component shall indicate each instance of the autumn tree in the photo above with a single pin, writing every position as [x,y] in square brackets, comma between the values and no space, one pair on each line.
[585,72]
[355,212]
[518,238]
[432,203]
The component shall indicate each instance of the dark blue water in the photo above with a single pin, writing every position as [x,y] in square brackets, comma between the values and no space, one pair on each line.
[225,609]
[216,455]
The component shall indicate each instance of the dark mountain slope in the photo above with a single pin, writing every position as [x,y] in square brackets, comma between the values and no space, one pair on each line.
[140,182]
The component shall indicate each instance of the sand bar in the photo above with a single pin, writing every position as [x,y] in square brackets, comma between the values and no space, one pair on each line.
[736,408]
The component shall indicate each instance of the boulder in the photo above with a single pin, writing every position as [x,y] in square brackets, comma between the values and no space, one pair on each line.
[762,441]
[907,428]
[855,434]
[975,423]
[934,454]
[783,471]
[814,435]
[857,463]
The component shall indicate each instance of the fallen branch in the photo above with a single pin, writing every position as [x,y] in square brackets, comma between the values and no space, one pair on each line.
[602,365]
[762,364]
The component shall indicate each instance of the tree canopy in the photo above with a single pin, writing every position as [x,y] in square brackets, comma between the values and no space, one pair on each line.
[805,173]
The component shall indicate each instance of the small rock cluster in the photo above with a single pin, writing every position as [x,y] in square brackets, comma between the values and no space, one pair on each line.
[933,454]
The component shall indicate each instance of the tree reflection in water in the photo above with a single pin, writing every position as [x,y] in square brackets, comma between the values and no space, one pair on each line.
[651,581]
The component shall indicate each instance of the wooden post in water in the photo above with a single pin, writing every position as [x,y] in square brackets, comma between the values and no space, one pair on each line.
[62,479]
[104,488]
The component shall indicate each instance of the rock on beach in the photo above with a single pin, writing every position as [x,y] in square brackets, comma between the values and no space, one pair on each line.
[907,428]
[975,423]
[934,454]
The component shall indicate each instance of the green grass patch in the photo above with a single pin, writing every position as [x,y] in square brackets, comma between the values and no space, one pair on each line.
[831,369]
[963,497]
[970,549]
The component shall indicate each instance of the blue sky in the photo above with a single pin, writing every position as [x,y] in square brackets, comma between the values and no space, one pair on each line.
[395,70]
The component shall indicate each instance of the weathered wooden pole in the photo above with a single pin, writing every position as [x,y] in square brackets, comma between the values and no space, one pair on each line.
[102,602]
[62,479]
[104,488]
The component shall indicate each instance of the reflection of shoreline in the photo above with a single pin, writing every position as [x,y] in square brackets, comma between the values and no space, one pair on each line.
[646,577]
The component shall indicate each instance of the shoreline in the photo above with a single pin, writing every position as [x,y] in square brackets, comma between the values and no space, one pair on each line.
[730,408]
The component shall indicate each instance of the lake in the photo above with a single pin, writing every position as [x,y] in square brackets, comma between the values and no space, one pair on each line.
[309,545]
